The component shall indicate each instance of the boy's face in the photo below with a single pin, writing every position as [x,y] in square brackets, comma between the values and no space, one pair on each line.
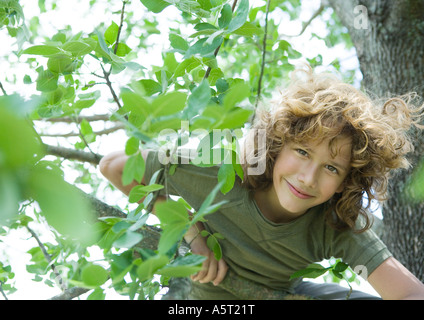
[306,175]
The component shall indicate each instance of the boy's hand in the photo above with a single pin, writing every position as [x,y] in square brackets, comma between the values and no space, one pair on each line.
[212,270]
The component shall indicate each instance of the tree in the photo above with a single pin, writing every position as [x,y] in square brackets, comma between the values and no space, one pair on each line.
[385,35]
[208,77]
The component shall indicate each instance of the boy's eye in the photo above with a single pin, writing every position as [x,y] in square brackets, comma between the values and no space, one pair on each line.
[332,169]
[302,152]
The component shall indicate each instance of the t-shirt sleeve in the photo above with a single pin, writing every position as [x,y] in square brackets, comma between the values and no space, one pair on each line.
[152,165]
[364,252]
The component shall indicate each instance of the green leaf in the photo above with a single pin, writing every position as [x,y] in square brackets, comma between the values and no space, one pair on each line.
[312,271]
[123,49]
[198,99]
[121,226]
[103,50]
[77,48]
[236,94]
[183,266]
[171,235]
[59,37]
[169,104]
[97,294]
[241,16]
[9,197]
[214,246]
[86,127]
[340,266]
[136,104]
[186,66]
[132,146]
[61,63]
[234,119]
[227,176]
[111,33]
[203,48]
[134,169]
[61,203]
[128,239]
[171,212]
[155,6]
[18,142]
[207,206]
[336,274]
[42,50]
[249,30]
[27,79]
[150,86]
[94,275]
[293,54]
[214,75]
[165,124]
[148,268]
[205,26]
[47,81]
[415,184]
[83,104]
[174,222]
[177,42]
[169,63]
[139,192]
[226,16]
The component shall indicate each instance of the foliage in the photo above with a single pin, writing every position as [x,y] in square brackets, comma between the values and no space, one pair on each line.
[414,190]
[336,271]
[208,78]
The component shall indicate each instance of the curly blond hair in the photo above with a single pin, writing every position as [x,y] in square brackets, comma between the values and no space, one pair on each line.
[318,106]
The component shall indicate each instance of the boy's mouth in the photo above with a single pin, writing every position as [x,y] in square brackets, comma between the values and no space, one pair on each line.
[298,192]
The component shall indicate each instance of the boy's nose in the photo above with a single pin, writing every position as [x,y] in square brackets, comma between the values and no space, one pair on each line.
[308,176]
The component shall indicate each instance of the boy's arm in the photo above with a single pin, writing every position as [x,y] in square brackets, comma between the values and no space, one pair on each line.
[112,167]
[212,270]
[394,282]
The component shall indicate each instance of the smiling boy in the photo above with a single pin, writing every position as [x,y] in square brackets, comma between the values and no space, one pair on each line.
[327,145]
[304,176]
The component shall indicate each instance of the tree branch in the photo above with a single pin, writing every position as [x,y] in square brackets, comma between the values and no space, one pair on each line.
[120,26]
[73,154]
[106,74]
[345,12]
[2,292]
[208,71]
[49,259]
[78,119]
[81,135]
[247,290]
[263,54]
[179,289]
[74,134]
[150,234]
[70,294]
[109,84]
[307,23]
[2,89]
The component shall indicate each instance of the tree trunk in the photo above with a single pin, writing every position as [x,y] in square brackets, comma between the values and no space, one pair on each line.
[388,37]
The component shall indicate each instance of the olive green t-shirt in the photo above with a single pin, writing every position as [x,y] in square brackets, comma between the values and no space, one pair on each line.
[258,249]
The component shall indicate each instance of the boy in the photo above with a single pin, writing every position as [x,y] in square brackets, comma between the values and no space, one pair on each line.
[326,146]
